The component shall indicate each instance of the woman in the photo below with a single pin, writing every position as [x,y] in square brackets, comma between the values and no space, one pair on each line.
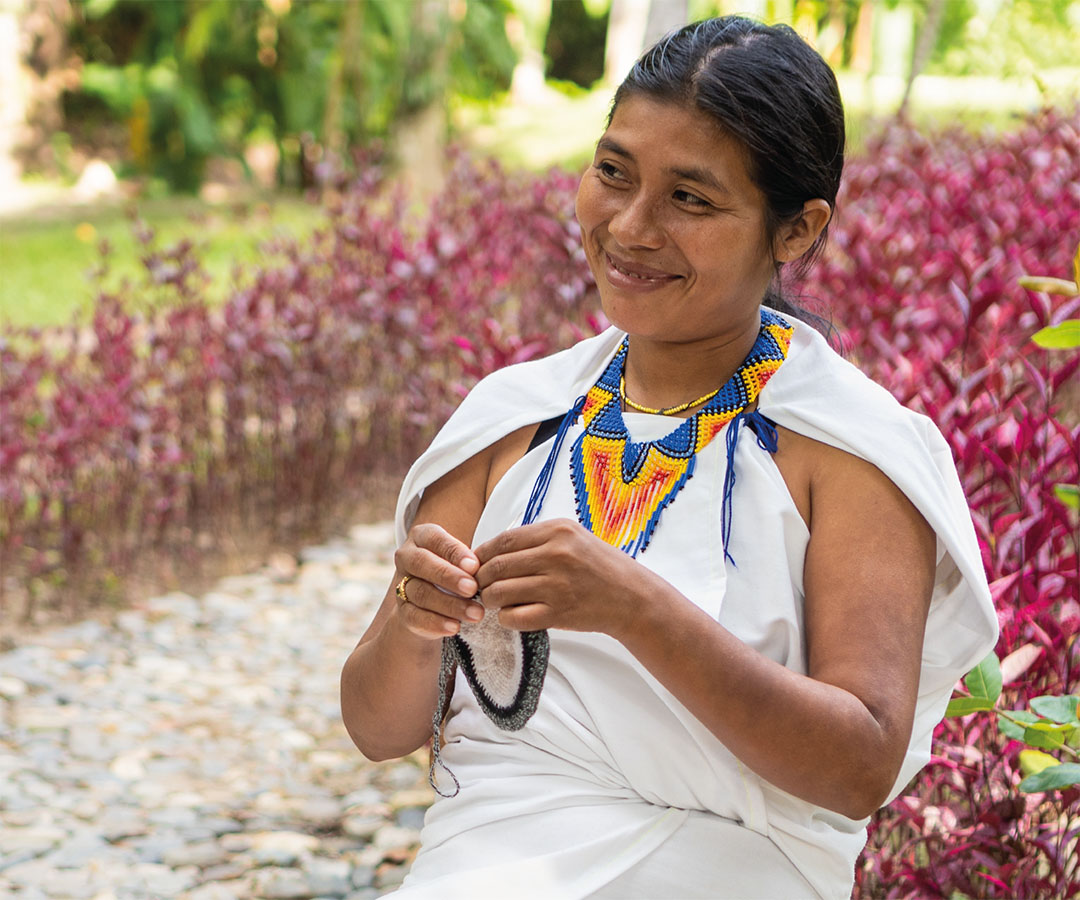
[751,635]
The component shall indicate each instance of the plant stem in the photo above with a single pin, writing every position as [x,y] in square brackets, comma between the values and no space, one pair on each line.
[1006,715]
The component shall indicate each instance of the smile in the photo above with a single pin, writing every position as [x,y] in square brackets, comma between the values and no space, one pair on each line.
[623,274]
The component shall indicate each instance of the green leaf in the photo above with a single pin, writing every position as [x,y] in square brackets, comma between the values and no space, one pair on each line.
[1032,761]
[1047,285]
[1057,709]
[1052,778]
[1011,729]
[1069,494]
[1048,735]
[984,681]
[95,9]
[1063,336]
[965,706]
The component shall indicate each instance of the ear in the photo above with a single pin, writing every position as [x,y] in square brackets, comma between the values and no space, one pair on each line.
[795,238]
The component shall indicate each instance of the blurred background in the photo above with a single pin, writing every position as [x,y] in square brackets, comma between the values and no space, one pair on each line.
[252,254]
[209,102]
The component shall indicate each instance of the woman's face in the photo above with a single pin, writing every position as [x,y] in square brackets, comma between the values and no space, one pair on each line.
[673,228]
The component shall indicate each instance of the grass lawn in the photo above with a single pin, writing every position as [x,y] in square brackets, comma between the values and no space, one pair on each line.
[45,257]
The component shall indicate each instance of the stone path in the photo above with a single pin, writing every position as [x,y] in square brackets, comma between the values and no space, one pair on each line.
[195,749]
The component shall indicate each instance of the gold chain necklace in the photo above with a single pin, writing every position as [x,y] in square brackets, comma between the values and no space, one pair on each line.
[667,411]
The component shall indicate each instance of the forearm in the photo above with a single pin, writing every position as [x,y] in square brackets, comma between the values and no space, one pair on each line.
[389,691]
[815,740]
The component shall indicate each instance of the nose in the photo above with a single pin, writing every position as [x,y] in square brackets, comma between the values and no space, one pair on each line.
[636,225]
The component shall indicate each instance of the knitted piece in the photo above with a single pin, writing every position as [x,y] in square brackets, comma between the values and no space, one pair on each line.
[621,486]
[504,668]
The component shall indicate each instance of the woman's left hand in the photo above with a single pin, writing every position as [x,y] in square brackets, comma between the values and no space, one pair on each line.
[556,574]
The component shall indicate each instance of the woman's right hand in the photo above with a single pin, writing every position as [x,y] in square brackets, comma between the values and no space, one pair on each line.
[441,585]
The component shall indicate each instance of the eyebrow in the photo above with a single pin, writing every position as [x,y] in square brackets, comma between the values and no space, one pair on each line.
[690,173]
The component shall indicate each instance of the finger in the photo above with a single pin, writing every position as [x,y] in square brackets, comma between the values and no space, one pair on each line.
[429,566]
[527,617]
[425,623]
[425,596]
[513,592]
[522,538]
[439,541]
[511,565]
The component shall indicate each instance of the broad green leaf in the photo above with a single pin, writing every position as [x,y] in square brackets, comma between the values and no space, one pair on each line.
[95,9]
[1057,709]
[1032,761]
[964,706]
[1047,284]
[1011,729]
[1048,735]
[1051,778]
[984,681]
[1063,336]
[1069,494]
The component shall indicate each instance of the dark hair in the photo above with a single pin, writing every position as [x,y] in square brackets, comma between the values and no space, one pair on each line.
[767,87]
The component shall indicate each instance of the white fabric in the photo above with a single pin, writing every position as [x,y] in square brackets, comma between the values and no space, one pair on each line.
[613,779]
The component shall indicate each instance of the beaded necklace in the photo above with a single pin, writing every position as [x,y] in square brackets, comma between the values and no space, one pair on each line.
[667,410]
[622,487]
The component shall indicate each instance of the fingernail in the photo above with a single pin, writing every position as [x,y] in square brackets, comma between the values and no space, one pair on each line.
[470,564]
[451,627]
[474,612]
[466,587]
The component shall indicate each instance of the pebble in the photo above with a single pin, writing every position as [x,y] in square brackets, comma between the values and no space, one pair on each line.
[193,749]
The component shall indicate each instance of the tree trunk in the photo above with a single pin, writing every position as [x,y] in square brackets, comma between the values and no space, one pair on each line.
[34,73]
[343,75]
[625,37]
[664,16]
[14,93]
[420,136]
[862,40]
[924,46]
[526,28]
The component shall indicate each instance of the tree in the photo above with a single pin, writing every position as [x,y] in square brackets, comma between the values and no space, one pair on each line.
[633,25]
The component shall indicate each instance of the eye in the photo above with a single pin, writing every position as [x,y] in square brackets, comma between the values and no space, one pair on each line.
[609,171]
[691,200]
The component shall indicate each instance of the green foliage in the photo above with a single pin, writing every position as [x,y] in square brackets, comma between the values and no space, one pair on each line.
[1053,777]
[1063,336]
[194,78]
[984,684]
[1069,494]
[1050,724]
[1006,39]
[1053,722]
[575,43]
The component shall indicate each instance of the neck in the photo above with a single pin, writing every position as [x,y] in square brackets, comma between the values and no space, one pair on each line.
[662,374]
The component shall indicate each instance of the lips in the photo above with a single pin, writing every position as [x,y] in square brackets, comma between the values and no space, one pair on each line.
[625,274]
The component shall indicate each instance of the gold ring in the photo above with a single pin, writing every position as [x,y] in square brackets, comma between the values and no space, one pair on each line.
[400,589]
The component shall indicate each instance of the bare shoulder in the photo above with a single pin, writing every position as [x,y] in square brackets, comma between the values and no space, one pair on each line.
[823,478]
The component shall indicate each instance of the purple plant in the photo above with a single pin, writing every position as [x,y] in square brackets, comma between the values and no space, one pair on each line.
[167,425]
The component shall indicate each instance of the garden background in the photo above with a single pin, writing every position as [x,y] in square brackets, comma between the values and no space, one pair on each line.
[254,252]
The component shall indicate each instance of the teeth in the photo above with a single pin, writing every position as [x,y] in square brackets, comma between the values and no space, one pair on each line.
[619,268]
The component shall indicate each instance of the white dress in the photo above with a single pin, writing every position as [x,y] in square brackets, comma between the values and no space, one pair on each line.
[613,789]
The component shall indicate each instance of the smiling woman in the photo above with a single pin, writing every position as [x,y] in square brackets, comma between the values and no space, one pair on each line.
[685,666]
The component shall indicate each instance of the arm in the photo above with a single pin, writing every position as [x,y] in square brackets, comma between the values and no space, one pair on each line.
[836,736]
[389,684]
